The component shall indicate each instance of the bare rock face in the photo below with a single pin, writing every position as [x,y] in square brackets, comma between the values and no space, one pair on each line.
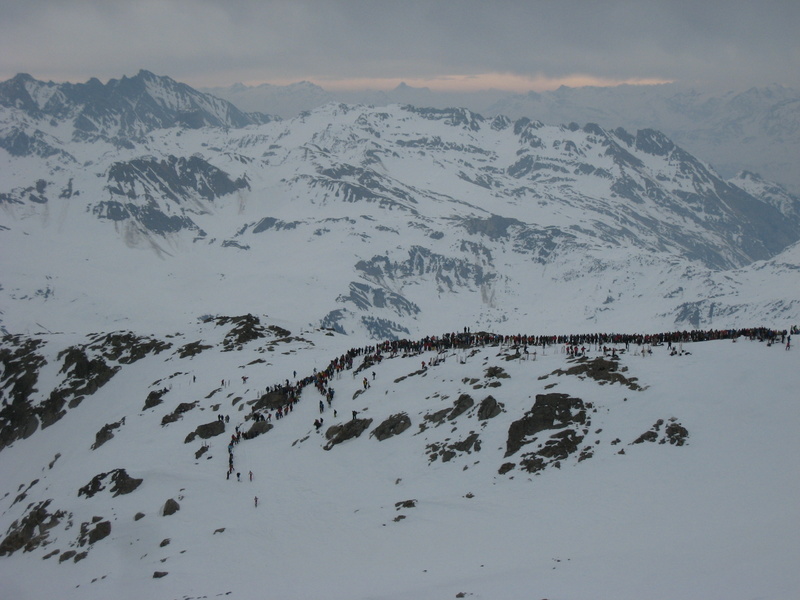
[105,434]
[121,483]
[154,398]
[447,452]
[464,403]
[674,433]
[394,425]
[550,411]
[176,414]
[246,328]
[489,408]
[32,531]
[336,434]
[601,370]
[94,531]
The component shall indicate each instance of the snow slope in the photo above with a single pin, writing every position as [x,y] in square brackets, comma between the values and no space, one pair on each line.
[714,517]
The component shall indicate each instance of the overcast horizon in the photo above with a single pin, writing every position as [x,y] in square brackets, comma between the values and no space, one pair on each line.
[453,46]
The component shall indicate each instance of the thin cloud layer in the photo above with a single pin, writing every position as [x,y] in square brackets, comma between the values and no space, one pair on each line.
[361,43]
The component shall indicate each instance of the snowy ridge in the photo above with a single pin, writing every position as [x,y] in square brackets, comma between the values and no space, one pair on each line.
[489,469]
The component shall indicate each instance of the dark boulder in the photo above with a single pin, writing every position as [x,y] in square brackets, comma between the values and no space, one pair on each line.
[171,506]
[394,425]
[206,431]
[257,429]
[489,408]
[336,434]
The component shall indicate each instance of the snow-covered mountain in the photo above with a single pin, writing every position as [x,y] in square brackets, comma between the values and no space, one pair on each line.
[755,129]
[120,110]
[384,221]
[468,466]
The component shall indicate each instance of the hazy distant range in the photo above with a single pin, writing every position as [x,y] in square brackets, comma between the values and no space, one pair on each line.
[756,130]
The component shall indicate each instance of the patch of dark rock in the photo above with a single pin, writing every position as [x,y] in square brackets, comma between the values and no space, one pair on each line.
[496,373]
[279,331]
[106,433]
[67,555]
[550,411]
[165,542]
[32,530]
[336,434]
[80,556]
[506,467]
[273,400]
[561,445]
[489,408]
[600,369]
[18,419]
[206,431]
[176,414]
[53,462]
[160,574]
[674,433]
[399,518]
[200,451]
[86,375]
[246,328]
[647,436]
[24,494]
[154,398]
[171,506]
[220,530]
[192,349]
[394,425]
[469,444]
[405,504]
[121,483]
[437,417]
[21,364]
[19,375]
[257,428]
[461,405]
[138,516]
[127,348]
[447,452]
[586,453]
[99,531]
[51,554]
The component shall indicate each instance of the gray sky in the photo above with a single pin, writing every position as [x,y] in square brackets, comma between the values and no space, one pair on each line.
[453,44]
